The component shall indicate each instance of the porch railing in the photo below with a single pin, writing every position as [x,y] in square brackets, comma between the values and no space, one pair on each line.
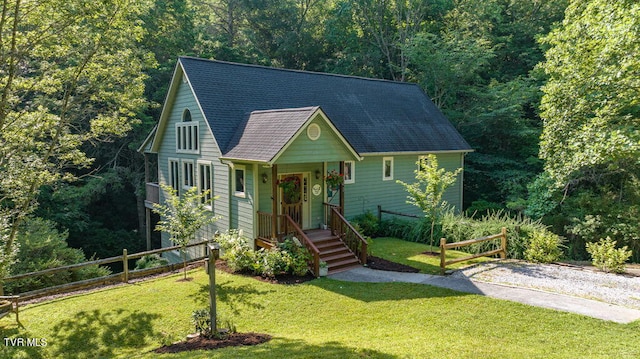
[344,230]
[327,212]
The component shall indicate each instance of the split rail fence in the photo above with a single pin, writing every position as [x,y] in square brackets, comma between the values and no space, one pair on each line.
[123,276]
[444,246]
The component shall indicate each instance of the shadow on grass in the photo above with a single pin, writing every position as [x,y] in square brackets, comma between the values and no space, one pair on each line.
[234,295]
[292,348]
[96,334]
[375,292]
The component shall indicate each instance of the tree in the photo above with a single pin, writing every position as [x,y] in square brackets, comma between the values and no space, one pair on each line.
[591,102]
[427,192]
[68,80]
[182,217]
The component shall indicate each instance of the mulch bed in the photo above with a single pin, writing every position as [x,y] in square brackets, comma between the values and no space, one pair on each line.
[279,279]
[383,264]
[202,343]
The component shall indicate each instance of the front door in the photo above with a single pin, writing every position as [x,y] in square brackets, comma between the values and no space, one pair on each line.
[292,196]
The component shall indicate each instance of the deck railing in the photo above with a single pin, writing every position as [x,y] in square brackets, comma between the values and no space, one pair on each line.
[344,230]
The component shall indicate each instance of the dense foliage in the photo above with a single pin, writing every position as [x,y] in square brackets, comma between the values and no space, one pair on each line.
[43,247]
[81,88]
[287,257]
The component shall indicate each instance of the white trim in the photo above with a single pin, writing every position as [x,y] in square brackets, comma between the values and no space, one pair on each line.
[236,193]
[174,175]
[188,169]
[408,153]
[352,173]
[187,137]
[384,168]
[200,177]
[314,131]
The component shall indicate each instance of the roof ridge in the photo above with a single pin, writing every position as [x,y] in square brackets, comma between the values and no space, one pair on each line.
[316,73]
[290,109]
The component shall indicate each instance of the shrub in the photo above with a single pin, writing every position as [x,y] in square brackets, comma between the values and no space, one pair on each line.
[237,251]
[367,223]
[288,256]
[151,261]
[543,247]
[606,257]
[43,247]
[201,319]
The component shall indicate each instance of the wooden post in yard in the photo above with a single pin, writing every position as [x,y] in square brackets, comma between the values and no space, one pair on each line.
[214,251]
[125,266]
[503,254]
[443,242]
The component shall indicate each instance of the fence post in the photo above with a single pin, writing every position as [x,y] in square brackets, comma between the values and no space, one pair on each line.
[503,254]
[125,265]
[443,242]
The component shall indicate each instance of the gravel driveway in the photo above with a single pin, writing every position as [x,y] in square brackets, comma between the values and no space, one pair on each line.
[619,289]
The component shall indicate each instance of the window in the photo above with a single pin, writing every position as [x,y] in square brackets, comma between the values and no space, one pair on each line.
[349,174]
[187,174]
[187,134]
[174,175]
[238,181]
[205,182]
[387,168]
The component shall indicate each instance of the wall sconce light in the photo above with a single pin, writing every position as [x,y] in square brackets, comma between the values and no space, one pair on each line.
[264,178]
[318,174]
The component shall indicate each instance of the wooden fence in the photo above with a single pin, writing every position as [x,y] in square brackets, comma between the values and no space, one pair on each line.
[444,246]
[381,211]
[123,276]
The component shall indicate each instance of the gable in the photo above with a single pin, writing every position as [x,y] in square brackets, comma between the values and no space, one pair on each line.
[374,116]
[281,136]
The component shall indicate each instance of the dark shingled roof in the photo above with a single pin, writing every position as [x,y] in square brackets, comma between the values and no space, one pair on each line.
[373,115]
[267,132]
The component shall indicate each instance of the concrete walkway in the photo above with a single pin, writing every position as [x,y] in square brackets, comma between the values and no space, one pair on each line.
[587,307]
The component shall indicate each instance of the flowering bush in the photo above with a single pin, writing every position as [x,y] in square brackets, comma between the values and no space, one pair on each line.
[334,179]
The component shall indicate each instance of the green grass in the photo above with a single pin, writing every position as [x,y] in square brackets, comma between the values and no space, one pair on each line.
[411,254]
[323,318]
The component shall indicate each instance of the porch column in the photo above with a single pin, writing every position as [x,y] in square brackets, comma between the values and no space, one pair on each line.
[274,201]
[342,188]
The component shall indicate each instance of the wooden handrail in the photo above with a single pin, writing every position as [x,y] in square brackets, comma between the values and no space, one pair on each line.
[307,243]
[345,231]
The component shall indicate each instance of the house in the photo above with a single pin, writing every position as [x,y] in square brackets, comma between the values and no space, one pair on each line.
[264,140]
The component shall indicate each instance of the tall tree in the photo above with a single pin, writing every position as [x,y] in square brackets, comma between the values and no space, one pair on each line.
[67,80]
[591,102]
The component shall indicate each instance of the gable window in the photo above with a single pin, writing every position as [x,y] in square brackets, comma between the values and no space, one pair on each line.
[174,175]
[387,168]
[205,183]
[238,181]
[349,172]
[187,133]
[188,174]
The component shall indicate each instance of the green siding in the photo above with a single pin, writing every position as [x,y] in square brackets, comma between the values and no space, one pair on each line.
[242,208]
[369,190]
[329,147]
[208,152]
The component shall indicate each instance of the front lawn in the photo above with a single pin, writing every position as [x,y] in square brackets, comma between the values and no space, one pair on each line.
[412,254]
[323,318]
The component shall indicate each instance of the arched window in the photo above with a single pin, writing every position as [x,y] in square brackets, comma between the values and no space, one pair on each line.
[186,115]
[187,134]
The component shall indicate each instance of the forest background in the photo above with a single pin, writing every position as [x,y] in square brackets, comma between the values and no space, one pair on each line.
[545,91]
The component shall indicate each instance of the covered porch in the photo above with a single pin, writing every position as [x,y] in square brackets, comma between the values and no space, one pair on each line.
[298,156]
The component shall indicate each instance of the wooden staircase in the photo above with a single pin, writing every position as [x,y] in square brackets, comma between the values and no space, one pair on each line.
[333,251]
